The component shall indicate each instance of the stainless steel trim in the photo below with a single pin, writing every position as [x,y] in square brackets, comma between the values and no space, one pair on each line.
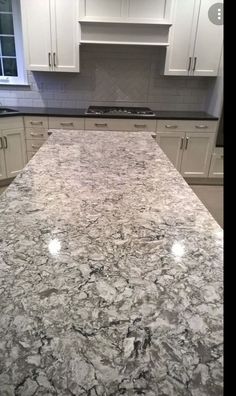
[186,145]
[49,59]
[140,126]
[54,59]
[171,126]
[5,140]
[182,144]
[195,62]
[189,65]
[1,141]
[201,126]
[100,125]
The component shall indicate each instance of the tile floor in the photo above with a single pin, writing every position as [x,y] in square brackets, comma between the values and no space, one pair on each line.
[211,196]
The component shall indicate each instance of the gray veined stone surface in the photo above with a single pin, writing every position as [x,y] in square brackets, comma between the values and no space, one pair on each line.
[110,274]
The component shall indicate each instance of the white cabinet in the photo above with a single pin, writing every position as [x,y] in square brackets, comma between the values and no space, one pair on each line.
[12,148]
[195,42]
[189,150]
[217,163]
[50,32]
[147,11]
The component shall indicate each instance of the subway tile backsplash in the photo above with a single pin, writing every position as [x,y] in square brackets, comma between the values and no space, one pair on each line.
[112,75]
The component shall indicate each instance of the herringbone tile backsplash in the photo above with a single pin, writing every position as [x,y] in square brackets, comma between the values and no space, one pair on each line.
[113,75]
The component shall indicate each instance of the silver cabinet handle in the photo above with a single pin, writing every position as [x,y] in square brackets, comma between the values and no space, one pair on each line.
[140,126]
[195,62]
[54,59]
[67,123]
[35,147]
[100,125]
[154,136]
[49,59]
[36,122]
[186,145]
[5,140]
[182,144]
[171,126]
[1,143]
[189,64]
[201,126]
[36,134]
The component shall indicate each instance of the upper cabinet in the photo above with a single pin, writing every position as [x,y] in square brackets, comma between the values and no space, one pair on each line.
[50,31]
[195,41]
[130,11]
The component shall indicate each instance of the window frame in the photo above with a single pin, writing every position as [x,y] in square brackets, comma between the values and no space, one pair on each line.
[21,79]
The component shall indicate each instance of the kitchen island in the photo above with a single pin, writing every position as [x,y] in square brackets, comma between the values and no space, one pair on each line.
[111,274]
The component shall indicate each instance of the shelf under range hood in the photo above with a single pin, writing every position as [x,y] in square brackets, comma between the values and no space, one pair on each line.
[94,32]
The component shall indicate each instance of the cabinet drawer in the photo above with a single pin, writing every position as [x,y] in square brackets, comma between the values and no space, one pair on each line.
[104,124]
[66,123]
[34,145]
[36,122]
[30,154]
[36,133]
[186,125]
[11,122]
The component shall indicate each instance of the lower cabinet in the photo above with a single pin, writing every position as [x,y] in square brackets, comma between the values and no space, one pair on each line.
[12,152]
[217,163]
[12,147]
[190,152]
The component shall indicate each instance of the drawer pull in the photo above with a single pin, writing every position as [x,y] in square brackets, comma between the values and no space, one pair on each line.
[36,122]
[100,125]
[35,147]
[36,134]
[140,126]
[171,126]
[201,126]
[67,123]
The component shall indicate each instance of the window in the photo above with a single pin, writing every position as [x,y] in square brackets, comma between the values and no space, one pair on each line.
[12,69]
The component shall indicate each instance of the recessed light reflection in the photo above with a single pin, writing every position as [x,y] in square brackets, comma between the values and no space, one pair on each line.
[178,249]
[54,246]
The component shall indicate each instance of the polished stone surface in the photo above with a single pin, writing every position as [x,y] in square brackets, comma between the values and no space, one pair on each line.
[110,274]
[65,112]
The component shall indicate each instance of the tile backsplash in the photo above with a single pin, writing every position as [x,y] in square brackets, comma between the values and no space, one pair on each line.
[112,75]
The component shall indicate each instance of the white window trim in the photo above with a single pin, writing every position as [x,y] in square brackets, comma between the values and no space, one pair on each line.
[21,79]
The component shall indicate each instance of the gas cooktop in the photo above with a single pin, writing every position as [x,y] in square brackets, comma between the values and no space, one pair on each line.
[122,111]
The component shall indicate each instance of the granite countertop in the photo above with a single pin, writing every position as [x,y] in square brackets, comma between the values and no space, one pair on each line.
[60,112]
[111,274]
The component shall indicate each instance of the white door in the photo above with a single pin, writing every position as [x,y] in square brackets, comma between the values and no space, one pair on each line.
[179,53]
[197,154]
[209,41]
[65,39]
[3,174]
[37,34]
[172,144]
[14,150]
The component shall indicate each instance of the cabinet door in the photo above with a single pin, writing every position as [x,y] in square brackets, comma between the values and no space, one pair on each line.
[182,35]
[15,151]
[209,41]
[172,143]
[65,39]
[3,174]
[102,9]
[37,34]
[197,154]
[148,9]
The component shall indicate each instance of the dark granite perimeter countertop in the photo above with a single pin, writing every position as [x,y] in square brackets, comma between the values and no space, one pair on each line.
[64,112]
[111,274]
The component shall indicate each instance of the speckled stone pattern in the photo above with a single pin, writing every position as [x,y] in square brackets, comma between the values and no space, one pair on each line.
[110,274]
